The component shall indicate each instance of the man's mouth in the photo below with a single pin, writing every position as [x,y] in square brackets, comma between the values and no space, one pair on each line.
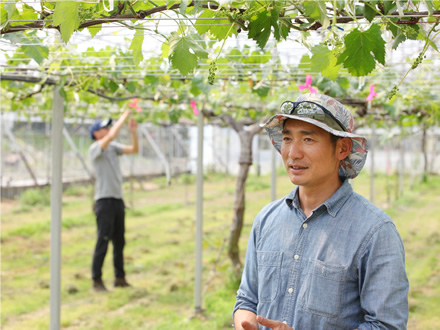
[298,167]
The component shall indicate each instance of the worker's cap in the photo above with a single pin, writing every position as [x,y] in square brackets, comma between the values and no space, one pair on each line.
[99,124]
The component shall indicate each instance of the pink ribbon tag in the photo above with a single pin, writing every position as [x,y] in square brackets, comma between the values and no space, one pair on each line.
[372,93]
[307,85]
[194,107]
[133,104]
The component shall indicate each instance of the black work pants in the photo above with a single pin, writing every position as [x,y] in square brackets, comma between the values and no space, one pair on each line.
[110,219]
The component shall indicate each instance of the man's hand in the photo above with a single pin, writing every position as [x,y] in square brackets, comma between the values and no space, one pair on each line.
[133,125]
[276,325]
[246,325]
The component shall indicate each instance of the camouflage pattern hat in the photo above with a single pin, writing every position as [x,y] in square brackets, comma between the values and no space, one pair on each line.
[328,114]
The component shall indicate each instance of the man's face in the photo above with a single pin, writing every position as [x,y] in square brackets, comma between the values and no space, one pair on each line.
[309,156]
[99,134]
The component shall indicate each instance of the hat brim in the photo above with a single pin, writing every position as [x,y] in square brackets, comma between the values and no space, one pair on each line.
[350,167]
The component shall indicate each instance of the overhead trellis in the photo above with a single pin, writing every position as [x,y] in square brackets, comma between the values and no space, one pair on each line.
[183,40]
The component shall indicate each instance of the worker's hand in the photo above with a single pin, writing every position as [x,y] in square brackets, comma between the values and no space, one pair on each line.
[276,325]
[246,325]
[133,125]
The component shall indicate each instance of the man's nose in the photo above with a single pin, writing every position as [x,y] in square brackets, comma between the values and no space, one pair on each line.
[295,150]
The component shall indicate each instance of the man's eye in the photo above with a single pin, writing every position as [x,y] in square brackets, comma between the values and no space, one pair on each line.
[308,140]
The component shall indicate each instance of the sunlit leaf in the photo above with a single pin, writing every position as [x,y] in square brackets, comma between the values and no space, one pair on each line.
[38,53]
[362,50]
[66,16]
[261,25]
[217,28]
[324,61]
[184,53]
[136,46]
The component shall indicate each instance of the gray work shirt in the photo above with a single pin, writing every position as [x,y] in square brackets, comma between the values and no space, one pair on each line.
[107,170]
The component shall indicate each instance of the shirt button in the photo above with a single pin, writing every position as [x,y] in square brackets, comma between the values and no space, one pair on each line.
[305,226]
[285,322]
[290,290]
[296,257]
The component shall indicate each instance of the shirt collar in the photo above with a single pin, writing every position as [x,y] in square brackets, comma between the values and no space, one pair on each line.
[333,204]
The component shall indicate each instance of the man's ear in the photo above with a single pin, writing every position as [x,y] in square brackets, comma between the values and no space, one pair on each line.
[345,146]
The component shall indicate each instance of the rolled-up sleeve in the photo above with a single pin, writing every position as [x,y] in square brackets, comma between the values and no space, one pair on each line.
[382,280]
[247,294]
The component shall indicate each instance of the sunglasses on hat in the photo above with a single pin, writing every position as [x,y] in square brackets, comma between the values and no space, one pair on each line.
[312,110]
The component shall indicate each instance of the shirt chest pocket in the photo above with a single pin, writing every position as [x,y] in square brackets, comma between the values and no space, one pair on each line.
[324,286]
[269,270]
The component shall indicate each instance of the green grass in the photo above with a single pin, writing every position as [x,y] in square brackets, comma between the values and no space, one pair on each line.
[160,231]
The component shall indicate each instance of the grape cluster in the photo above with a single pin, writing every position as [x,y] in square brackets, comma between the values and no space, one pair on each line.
[212,72]
[335,42]
[418,60]
[245,15]
[393,92]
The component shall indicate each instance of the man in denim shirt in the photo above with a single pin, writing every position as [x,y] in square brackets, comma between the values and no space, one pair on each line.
[322,257]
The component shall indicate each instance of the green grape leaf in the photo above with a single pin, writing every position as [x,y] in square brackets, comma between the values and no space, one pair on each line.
[113,86]
[164,79]
[389,6]
[362,50]
[165,50]
[411,32]
[131,86]
[284,30]
[369,12]
[317,11]
[183,6]
[343,82]
[136,46]
[8,10]
[262,91]
[151,81]
[219,31]
[257,57]
[260,27]
[199,86]
[429,4]
[38,53]
[93,30]
[184,53]
[332,88]
[27,14]
[66,16]
[324,61]
[422,36]
[305,63]
[170,3]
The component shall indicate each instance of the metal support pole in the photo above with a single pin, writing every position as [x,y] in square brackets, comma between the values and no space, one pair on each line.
[372,148]
[274,175]
[199,218]
[257,154]
[56,192]
[401,164]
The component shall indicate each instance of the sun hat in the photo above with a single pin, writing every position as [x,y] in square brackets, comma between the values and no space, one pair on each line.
[99,124]
[328,114]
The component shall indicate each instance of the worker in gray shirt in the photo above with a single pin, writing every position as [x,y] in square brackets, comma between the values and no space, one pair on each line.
[109,206]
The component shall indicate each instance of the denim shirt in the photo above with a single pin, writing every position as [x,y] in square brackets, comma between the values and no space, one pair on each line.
[343,267]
